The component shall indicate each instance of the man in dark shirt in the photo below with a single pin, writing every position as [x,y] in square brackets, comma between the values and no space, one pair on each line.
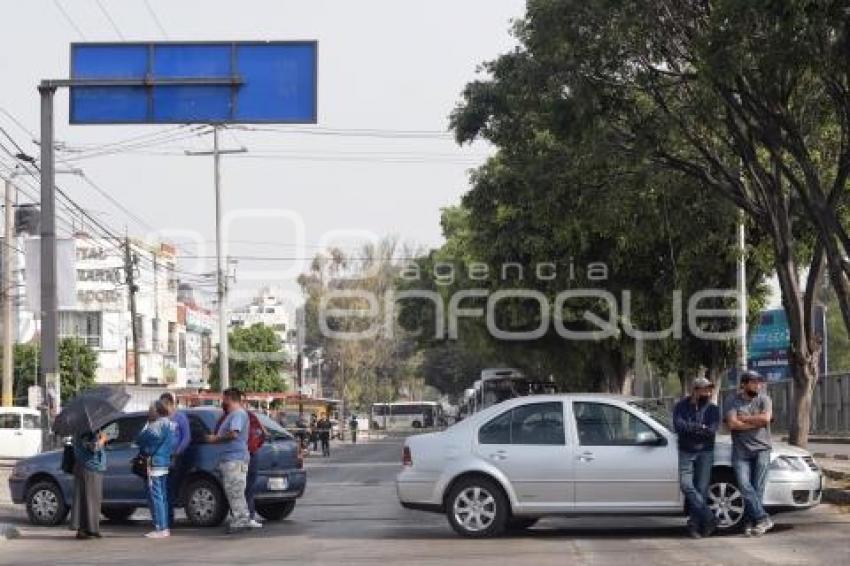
[696,419]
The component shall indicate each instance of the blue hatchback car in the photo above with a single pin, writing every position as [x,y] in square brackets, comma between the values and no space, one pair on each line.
[47,491]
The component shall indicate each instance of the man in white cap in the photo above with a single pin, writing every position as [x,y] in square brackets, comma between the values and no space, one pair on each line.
[696,419]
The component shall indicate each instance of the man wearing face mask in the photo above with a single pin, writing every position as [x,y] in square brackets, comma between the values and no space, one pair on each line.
[748,416]
[696,419]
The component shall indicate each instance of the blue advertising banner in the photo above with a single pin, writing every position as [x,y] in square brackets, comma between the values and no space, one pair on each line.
[767,348]
[179,83]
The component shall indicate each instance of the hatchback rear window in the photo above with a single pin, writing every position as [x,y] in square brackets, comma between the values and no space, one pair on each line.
[10,421]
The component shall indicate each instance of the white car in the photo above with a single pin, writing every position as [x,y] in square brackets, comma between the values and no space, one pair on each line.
[20,432]
[581,454]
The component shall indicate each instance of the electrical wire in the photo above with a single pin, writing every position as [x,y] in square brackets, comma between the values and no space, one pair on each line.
[70,20]
[112,23]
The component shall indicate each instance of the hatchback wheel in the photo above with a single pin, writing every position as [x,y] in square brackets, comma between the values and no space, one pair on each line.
[276,511]
[477,508]
[205,503]
[726,502]
[46,504]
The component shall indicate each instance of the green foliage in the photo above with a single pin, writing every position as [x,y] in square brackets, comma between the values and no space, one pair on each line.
[77,368]
[255,362]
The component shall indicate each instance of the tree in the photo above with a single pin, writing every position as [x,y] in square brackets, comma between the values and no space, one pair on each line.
[77,368]
[256,361]
[748,100]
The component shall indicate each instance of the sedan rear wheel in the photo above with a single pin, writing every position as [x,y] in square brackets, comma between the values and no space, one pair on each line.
[477,508]
[726,502]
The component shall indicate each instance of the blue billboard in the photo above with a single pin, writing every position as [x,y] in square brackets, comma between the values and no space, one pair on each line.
[769,340]
[180,83]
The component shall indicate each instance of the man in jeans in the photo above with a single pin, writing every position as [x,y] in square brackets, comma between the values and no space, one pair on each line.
[748,416]
[233,433]
[696,419]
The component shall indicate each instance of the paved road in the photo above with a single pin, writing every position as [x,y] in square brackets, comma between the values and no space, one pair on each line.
[350,516]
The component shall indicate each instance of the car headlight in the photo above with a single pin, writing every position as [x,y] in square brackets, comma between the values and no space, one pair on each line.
[788,463]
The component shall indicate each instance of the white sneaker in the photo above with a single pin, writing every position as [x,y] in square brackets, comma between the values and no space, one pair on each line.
[159,534]
[254,524]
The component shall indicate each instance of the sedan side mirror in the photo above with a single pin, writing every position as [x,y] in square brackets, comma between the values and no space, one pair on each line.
[649,438]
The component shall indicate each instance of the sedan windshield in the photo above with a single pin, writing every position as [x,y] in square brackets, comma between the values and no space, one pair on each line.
[656,409]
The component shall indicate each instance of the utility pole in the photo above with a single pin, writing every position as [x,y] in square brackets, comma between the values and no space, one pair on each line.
[49,374]
[742,293]
[129,270]
[9,254]
[221,274]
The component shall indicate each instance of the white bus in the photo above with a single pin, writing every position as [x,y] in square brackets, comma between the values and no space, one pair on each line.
[414,414]
[500,384]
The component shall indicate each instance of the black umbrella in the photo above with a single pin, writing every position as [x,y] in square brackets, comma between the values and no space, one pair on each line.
[90,410]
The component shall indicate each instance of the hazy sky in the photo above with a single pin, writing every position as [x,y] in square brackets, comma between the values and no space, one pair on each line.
[383,64]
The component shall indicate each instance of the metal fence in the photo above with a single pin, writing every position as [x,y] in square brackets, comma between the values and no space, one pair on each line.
[830,405]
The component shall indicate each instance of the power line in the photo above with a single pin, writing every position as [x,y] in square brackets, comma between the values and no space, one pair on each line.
[109,18]
[156,19]
[70,20]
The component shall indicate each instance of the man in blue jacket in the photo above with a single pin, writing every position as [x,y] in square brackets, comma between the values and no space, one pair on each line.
[696,419]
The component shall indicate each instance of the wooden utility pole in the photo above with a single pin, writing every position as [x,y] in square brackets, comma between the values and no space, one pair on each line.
[130,276]
[9,255]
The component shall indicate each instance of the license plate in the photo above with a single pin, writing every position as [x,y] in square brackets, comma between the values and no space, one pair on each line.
[278,484]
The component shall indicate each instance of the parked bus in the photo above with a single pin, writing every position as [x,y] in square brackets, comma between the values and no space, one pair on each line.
[421,414]
[500,384]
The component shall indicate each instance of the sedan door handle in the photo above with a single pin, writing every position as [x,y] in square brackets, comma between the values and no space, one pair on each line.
[585,457]
[499,455]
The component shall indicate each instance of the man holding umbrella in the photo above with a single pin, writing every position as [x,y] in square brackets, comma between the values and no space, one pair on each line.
[84,418]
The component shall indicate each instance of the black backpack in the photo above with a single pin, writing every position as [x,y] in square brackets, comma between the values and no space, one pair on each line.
[69,458]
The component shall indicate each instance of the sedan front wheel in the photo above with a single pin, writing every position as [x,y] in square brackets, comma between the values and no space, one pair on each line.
[726,502]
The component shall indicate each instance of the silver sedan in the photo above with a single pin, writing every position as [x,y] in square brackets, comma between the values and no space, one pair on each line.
[580,454]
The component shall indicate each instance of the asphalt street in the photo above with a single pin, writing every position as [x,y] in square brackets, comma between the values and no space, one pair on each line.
[350,515]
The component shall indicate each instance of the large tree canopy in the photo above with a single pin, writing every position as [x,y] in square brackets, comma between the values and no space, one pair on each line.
[747,100]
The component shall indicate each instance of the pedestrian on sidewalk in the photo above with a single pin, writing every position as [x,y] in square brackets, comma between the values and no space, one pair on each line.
[748,416]
[314,432]
[156,443]
[353,425]
[89,466]
[324,428]
[182,438]
[233,433]
[696,420]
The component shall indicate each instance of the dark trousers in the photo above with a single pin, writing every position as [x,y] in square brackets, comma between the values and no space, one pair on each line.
[175,478]
[326,443]
[88,495]
[250,480]
[354,436]
[694,477]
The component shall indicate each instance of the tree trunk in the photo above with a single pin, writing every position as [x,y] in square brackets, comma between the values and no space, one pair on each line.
[803,386]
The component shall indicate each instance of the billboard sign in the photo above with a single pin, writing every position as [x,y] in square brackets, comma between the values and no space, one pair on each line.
[768,343]
[204,82]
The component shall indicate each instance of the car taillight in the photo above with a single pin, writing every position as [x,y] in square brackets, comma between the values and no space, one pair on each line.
[406,458]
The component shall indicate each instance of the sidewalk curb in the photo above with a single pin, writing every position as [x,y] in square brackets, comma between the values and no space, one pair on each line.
[834,474]
[8,532]
[843,457]
[836,496]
